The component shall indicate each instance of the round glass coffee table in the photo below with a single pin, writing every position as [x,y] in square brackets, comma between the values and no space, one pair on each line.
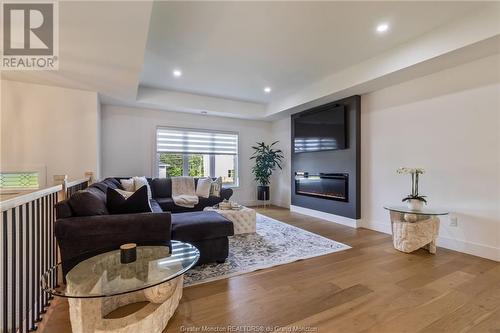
[101,284]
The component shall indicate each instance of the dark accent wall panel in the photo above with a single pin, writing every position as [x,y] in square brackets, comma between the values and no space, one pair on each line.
[334,161]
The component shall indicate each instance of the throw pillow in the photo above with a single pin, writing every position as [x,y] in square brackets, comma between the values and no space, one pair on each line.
[142,181]
[125,194]
[128,184]
[215,187]
[203,187]
[136,203]
[87,203]
[112,182]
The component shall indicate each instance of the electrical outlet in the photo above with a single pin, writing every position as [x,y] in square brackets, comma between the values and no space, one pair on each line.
[453,221]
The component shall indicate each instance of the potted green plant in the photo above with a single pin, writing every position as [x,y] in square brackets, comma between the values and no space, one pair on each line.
[267,159]
[414,200]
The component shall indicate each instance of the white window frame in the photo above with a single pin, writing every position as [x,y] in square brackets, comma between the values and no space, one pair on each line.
[185,156]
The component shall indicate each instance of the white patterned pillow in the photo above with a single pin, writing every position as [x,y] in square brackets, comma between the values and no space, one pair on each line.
[203,187]
[215,187]
[128,184]
[140,182]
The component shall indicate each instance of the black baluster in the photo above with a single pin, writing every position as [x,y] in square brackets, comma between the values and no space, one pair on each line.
[43,252]
[5,324]
[51,242]
[42,265]
[21,276]
[46,248]
[56,272]
[33,326]
[37,259]
[54,242]
[13,270]
[27,269]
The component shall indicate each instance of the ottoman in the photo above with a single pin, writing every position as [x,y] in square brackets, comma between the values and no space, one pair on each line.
[243,219]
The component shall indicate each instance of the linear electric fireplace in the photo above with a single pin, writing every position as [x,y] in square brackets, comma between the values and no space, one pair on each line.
[333,186]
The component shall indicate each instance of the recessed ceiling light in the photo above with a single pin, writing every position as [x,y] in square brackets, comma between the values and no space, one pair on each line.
[382,27]
[177,73]
[267,90]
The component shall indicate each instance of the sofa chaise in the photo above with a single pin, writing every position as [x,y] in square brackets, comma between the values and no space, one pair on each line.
[80,237]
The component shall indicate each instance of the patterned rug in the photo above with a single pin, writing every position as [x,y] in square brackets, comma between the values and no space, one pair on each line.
[274,243]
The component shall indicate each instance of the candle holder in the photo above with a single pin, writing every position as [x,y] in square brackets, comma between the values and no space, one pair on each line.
[128,253]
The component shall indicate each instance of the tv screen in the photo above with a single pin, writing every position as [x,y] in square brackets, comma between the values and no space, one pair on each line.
[320,130]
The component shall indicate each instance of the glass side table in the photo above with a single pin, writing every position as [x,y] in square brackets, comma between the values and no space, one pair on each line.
[101,284]
[412,230]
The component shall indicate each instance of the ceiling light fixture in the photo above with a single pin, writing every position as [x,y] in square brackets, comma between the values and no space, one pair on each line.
[382,27]
[177,73]
[267,90]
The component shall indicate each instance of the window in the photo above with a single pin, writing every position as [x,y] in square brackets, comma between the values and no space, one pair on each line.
[197,153]
[27,180]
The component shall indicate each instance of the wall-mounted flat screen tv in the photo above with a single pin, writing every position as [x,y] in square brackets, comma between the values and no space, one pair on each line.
[321,129]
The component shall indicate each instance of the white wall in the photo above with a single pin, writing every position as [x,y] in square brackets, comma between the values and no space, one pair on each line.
[128,141]
[49,127]
[447,123]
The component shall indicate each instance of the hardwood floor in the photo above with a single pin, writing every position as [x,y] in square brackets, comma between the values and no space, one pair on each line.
[369,288]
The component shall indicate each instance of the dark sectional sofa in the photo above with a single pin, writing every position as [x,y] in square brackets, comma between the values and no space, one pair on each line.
[80,237]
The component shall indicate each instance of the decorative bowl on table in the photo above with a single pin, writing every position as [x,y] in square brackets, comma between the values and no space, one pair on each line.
[227,205]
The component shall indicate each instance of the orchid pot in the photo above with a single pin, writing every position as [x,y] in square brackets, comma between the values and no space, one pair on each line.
[414,200]
[415,204]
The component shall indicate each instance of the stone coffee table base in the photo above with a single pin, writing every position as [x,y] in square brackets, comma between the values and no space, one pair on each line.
[411,236]
[87,314]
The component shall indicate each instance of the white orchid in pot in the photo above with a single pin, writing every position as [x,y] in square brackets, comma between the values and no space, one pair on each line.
[414,200]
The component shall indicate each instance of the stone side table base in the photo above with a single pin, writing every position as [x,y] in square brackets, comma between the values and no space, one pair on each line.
[411,236]
[87,314]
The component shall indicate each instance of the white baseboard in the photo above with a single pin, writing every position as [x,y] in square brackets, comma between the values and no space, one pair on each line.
[380,227]
[282,204]
[353,223]
[475,249]
[480,250]
[250,203]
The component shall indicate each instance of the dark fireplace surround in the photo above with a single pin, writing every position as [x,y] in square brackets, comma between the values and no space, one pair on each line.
[332,186]
[329,181]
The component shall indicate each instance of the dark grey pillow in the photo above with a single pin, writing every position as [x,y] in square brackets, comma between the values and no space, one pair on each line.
[100,186]
[161,187]
[88,203]
[136,203]
[113,183]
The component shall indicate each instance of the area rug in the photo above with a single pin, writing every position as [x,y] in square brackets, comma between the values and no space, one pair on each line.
[274,243]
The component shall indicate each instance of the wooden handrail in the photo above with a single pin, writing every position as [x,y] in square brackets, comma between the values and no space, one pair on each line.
[28,197]
[75,182]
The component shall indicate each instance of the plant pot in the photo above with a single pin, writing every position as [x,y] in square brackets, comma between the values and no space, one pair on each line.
[263,193]
[415,204]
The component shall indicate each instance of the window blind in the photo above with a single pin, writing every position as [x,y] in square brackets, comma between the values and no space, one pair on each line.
[175,140]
